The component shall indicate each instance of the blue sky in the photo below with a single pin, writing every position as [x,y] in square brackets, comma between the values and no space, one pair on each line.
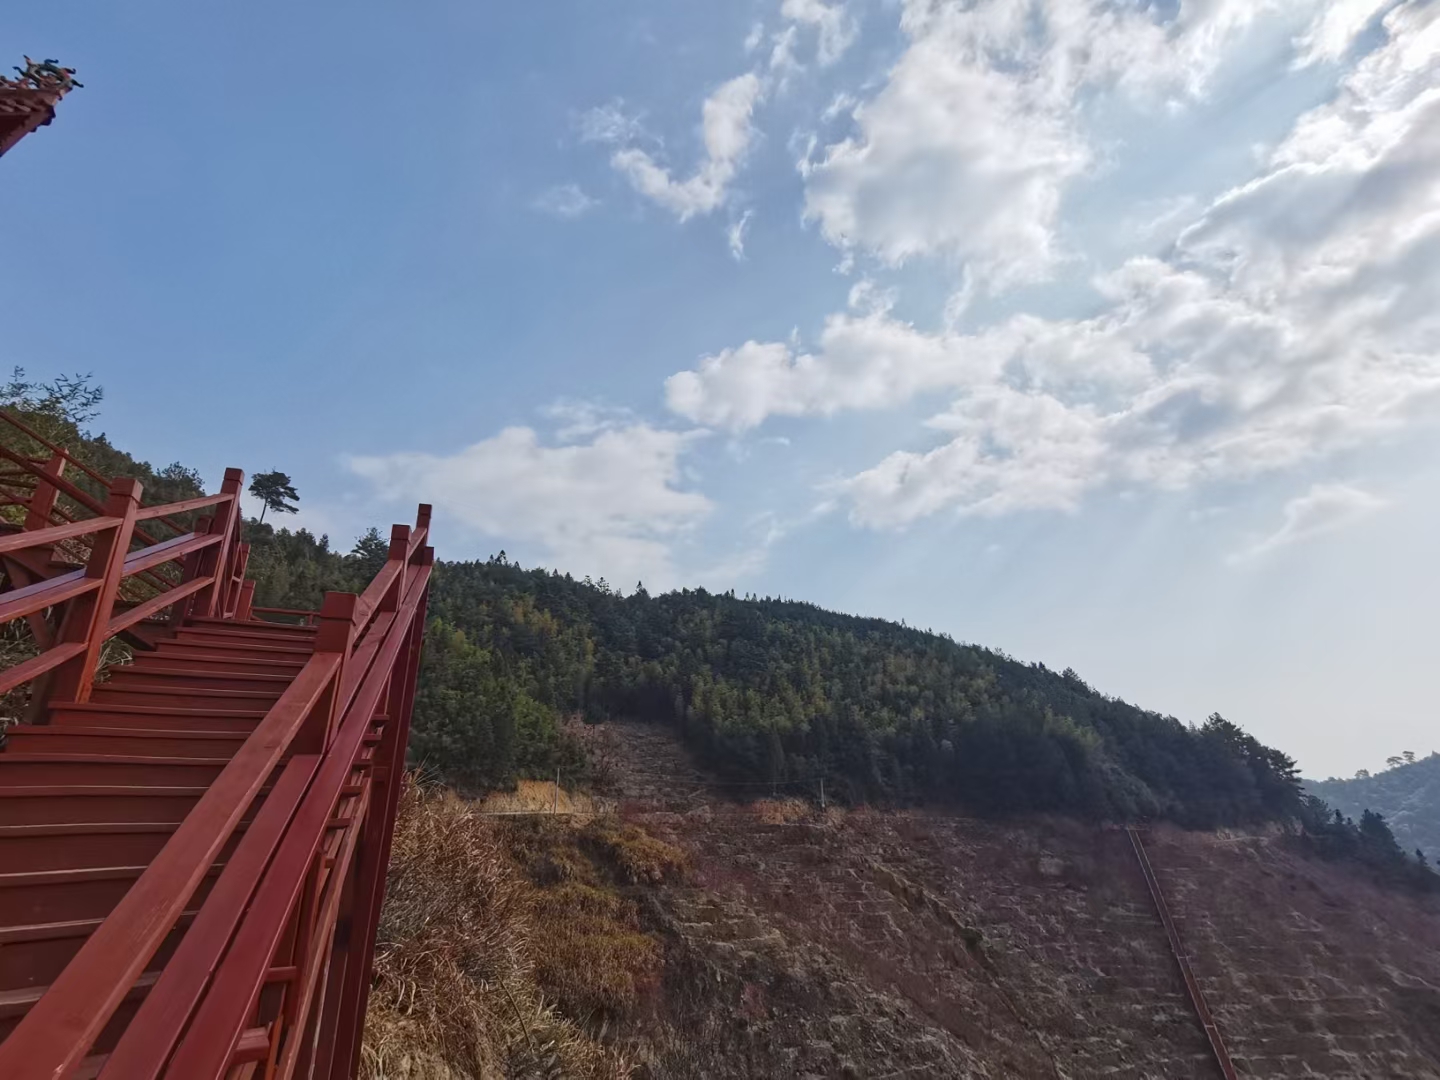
[1101,332]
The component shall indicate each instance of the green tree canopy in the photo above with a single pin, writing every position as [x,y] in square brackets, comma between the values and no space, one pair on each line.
[370,552]
[275,490]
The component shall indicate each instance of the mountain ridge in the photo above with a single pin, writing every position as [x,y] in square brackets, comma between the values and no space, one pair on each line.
[1408,795]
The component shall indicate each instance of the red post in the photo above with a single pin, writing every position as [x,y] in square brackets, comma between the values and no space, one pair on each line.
[38,513]
[399,551]
[236,582]
[89,615]
[245,608]
[375,850]
[190,570]
[42,500]
[336,635]
[215,562]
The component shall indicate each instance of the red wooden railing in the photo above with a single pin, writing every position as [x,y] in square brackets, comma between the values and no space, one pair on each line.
[212,561]
[271,975]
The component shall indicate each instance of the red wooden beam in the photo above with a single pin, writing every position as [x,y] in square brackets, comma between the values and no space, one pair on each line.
[344,1044]
[146,1045]
[89,614]
[44,594]
[149,513]
[53,534]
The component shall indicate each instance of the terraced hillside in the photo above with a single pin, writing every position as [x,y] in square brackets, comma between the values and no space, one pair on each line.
[890,944]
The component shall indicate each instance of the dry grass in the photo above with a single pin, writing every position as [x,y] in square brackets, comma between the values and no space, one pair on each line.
[455,994]
[636,856]
[539,796]
[597,964]
[782,811]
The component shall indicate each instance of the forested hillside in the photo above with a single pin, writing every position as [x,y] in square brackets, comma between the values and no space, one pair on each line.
[766,692]
[1407,793]
[782,692]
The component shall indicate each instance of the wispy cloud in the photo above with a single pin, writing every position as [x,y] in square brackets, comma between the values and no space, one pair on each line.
[728,133]
[1290,318]
[610,123]
[736,235]
[581,419]
[564,201]
[1323,509]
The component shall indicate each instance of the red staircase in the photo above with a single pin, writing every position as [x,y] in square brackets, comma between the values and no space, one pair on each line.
[193,844]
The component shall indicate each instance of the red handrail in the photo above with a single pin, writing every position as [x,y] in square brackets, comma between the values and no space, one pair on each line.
[333,745]
[324,763]
[53,535]
[36,467]
[93,591]
[50,482]
[208,1048]
[59,1030]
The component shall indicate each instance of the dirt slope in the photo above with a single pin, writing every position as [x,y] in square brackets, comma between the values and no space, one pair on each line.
[893,944]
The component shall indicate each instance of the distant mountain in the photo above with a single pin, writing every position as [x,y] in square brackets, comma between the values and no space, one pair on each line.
[1408,796]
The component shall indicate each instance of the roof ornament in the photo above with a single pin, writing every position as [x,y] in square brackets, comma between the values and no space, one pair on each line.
[43,75]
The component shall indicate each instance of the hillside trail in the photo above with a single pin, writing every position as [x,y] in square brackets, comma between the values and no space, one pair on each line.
[917,944]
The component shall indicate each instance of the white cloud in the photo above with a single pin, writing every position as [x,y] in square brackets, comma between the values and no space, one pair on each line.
[728,133]
[754,37]
[783,63]
[564,201]
[1337,26]
[1298,315]
[841,104]
[582,419]
[967,149]
[836,30]
[867,359]
[1009,451]
[865,362]
[735,234]
[1324,508]
[610,124]
[612,506]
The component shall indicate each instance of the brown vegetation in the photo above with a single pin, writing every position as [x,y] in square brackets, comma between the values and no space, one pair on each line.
[457,993]
[700,937]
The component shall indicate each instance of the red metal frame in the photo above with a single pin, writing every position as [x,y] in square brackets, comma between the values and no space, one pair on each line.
[1182,960]
[291,836]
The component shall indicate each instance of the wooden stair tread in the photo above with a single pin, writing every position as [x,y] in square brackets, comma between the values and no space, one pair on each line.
[79,790]
[167,661]
[52,931]
[79,874]
[105,759]
[51,731]
[187,691]
[294,648]
[61,877]
[69,928]
[249,625]
[159,710]
[153,669]
[25,832]
[19,1002]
